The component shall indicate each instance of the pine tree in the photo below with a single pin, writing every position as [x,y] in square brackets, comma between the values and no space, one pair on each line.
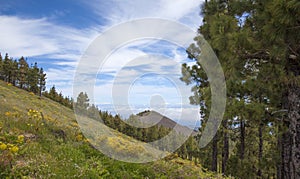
[278,48]
[33,79]
[14,72]
[23,72]
[42,81]
[82,103]
[52,93]
[7,68]
[93,112]
[257,43]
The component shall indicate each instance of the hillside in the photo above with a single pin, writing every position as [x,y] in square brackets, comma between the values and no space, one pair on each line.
[153,117]
[40,138]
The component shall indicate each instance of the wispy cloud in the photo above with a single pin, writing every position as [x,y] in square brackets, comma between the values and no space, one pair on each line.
[117,11]
[39,37]
[60,46]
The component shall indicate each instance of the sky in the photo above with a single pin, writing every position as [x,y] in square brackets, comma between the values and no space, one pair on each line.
[56,34]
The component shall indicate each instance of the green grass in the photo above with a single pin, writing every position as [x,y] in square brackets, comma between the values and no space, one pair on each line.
[40,138]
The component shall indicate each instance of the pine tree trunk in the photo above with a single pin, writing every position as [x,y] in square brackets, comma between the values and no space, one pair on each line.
[242,128]
[286,156]
[225,153]
[279,147]
[291,139]
[214,165]
[40,91]
[260,148]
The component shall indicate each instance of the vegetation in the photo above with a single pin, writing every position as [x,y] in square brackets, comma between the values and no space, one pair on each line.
[59,97]
[18,73]
[41,139]
[31,78]
[150,134]
[257,43]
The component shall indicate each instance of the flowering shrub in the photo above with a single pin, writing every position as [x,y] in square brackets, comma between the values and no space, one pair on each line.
[8,151]
[10,145]
[35,117]
[74,124]
[20,139]
[12,114]
[34,114]
[31,93]
[14,146]
[3,146]
[7,114]
[125,147]
[79,137]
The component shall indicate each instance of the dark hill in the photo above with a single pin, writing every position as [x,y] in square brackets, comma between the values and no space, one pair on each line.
[153,117]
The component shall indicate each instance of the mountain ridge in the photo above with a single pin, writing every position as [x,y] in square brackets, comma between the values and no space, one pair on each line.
[155,118]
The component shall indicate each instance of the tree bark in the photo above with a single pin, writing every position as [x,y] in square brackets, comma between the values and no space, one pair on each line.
[225,153]
[286,156]
[214,165]
[260,148]
[291,139]
[242,128]
[279,147]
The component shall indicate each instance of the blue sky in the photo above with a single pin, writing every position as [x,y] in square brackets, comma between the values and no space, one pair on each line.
[56,34]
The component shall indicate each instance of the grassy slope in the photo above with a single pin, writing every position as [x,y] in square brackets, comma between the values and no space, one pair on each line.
[53,146]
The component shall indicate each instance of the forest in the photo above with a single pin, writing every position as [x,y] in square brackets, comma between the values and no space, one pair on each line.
[19,73]
[257,43]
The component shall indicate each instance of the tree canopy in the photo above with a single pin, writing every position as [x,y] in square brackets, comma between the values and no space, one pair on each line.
[20,74]
[258,45]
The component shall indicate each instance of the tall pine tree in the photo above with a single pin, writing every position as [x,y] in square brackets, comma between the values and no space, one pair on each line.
[257,43]
[42,81]
[23,72]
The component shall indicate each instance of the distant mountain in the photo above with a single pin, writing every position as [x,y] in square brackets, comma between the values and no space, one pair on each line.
[153,117]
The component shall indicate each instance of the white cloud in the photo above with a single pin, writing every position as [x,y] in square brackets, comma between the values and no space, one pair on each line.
[38,37]
[117,11]
[42,39]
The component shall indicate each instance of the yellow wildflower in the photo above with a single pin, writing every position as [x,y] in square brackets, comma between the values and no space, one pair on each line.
[7,113]
[20,139]
[79,137]
[86,140]
[74,124]
[14,149]
[3,146]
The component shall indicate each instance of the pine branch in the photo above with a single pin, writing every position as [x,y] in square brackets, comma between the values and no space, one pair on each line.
[258,55]
[295,27]
[291,49]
